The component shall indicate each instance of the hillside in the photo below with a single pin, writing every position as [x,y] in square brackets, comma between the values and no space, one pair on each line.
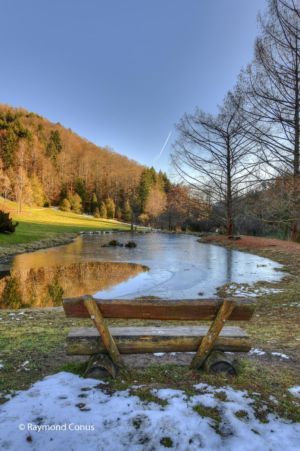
[48,223]
[42,162]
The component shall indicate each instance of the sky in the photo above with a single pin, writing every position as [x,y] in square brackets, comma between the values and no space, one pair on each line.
[121,73]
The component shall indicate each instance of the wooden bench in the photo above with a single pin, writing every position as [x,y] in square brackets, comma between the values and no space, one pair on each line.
[107,344]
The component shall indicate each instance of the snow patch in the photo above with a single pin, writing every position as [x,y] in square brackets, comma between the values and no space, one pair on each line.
[279,354]
[257,351]
[64,411]
[250,291]
[295,391]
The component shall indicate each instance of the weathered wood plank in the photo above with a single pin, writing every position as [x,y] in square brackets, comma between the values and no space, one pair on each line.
[183,310]
[212,335]
[136,340]
[101,326]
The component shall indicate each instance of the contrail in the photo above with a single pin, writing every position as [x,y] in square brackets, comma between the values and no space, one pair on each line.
[164,146]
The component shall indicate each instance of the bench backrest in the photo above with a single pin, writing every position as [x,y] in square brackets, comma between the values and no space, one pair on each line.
[157,309]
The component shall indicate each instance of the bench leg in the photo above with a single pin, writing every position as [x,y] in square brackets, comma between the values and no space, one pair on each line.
[219,362]
[104,332]
[100,365]
[209,340]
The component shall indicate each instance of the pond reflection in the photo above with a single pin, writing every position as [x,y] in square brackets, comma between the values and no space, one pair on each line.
[179,267]
[39,286]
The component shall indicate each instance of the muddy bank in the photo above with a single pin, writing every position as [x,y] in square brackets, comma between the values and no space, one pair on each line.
[253,243]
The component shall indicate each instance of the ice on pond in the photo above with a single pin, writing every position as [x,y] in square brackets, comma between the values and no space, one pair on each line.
[179,266]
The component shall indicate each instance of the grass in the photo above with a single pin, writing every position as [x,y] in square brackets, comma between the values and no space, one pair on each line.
[39,337]
[46,223]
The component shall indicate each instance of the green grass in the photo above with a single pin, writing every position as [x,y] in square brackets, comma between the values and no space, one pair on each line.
[38,336]
[46,223]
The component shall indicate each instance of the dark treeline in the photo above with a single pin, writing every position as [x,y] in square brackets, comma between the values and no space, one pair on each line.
[244,160]
[43,164]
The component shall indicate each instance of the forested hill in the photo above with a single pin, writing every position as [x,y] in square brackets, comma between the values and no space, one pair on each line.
[43,163]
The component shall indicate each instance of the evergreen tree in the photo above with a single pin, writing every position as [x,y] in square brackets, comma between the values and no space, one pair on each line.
[94,204]
[118,213]
[110,207]
[65,205]
[76,203]
[127,212]
[97,213]
[8,147]
[147,181]
[103,210]
[164,182]
[81,190]
[54,146]
[38,195]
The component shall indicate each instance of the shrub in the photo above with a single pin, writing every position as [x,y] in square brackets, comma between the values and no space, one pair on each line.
[97,213]
[76,203]
[143,218]
[127,213]
[118,213]
[65,205]
[6,223]
[110,207]
[103,210]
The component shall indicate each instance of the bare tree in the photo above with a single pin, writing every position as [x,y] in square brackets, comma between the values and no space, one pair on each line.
[216,156]
[271,87]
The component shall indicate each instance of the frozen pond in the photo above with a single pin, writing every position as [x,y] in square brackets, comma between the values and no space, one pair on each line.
[179,266]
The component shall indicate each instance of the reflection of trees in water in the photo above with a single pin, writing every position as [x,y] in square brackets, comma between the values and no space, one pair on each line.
[45,286]
[229,263]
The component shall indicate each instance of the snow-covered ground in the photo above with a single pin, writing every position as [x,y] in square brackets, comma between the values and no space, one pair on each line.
[295,391]
[260,352]
[67,412]
[250,291]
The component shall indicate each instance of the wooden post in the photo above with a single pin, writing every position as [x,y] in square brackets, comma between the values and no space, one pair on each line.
[104,332]
[213,333]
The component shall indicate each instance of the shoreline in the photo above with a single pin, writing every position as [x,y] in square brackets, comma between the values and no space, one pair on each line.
[272,248]
[9,251]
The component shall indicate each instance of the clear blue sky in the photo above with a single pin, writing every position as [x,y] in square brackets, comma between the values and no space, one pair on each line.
[122,72]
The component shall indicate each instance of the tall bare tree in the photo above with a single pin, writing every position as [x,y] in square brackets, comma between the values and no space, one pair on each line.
[271,87]
[216,156]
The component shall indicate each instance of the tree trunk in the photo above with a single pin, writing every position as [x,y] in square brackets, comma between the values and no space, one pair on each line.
[296,176]
[229,226]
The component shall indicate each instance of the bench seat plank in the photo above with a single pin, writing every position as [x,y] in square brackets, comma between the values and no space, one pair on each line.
[159,309]
[136,340]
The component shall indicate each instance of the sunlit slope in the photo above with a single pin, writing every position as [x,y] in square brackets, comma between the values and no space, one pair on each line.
[42,223]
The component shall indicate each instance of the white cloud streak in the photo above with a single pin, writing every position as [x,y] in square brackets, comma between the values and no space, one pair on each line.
[163,147]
